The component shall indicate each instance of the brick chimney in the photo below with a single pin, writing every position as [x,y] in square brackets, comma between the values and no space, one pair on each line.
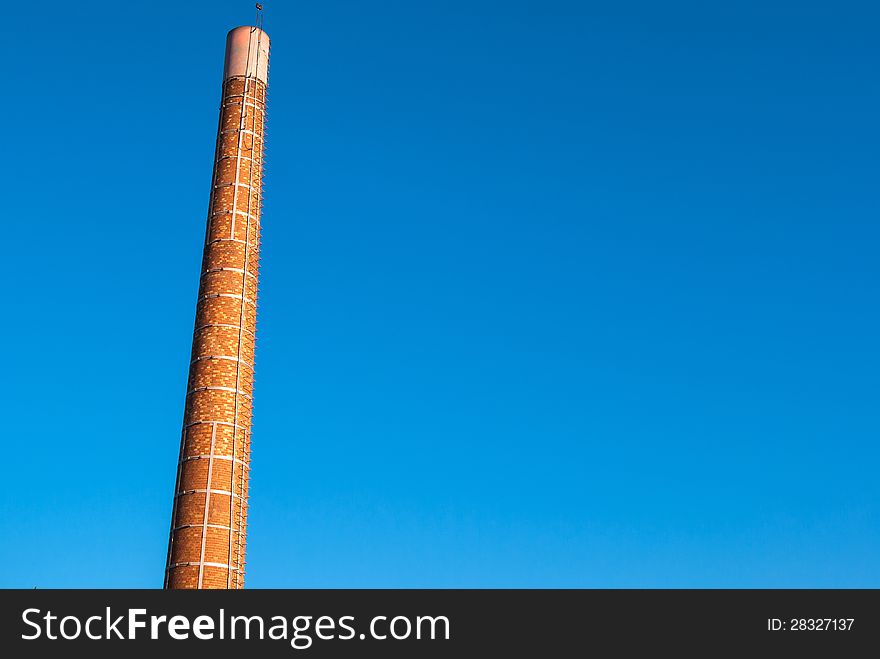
[206,548]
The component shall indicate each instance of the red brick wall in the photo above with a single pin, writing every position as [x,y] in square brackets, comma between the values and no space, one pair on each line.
[209,519]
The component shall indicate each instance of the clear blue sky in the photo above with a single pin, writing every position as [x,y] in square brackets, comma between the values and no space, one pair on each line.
[553,293]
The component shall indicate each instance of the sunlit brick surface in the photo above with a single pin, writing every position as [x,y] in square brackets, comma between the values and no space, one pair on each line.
[207,543]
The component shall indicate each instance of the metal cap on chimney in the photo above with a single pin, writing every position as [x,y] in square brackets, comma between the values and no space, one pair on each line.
[247,53]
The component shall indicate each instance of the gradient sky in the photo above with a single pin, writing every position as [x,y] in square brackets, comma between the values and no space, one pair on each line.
[553,293]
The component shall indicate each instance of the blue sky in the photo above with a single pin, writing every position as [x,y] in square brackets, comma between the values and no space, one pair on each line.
[553,293]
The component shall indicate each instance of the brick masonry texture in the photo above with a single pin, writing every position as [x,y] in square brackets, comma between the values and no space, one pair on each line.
[209,519]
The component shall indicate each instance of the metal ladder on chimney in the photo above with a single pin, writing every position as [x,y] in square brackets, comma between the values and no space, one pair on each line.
[239,562]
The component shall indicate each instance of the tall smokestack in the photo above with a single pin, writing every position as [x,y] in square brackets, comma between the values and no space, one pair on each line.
[209,517]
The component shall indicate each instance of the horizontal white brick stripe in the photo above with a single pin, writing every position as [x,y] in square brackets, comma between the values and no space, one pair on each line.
[254,218]
[227,357]
[243,329]
[202,490]
[239,271]
[231,390]
[254,244]
[221,423]
[225,566]
[208,296]
[216,456]
[222,527]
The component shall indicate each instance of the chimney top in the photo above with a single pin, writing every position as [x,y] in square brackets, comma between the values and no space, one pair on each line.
[247,53]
